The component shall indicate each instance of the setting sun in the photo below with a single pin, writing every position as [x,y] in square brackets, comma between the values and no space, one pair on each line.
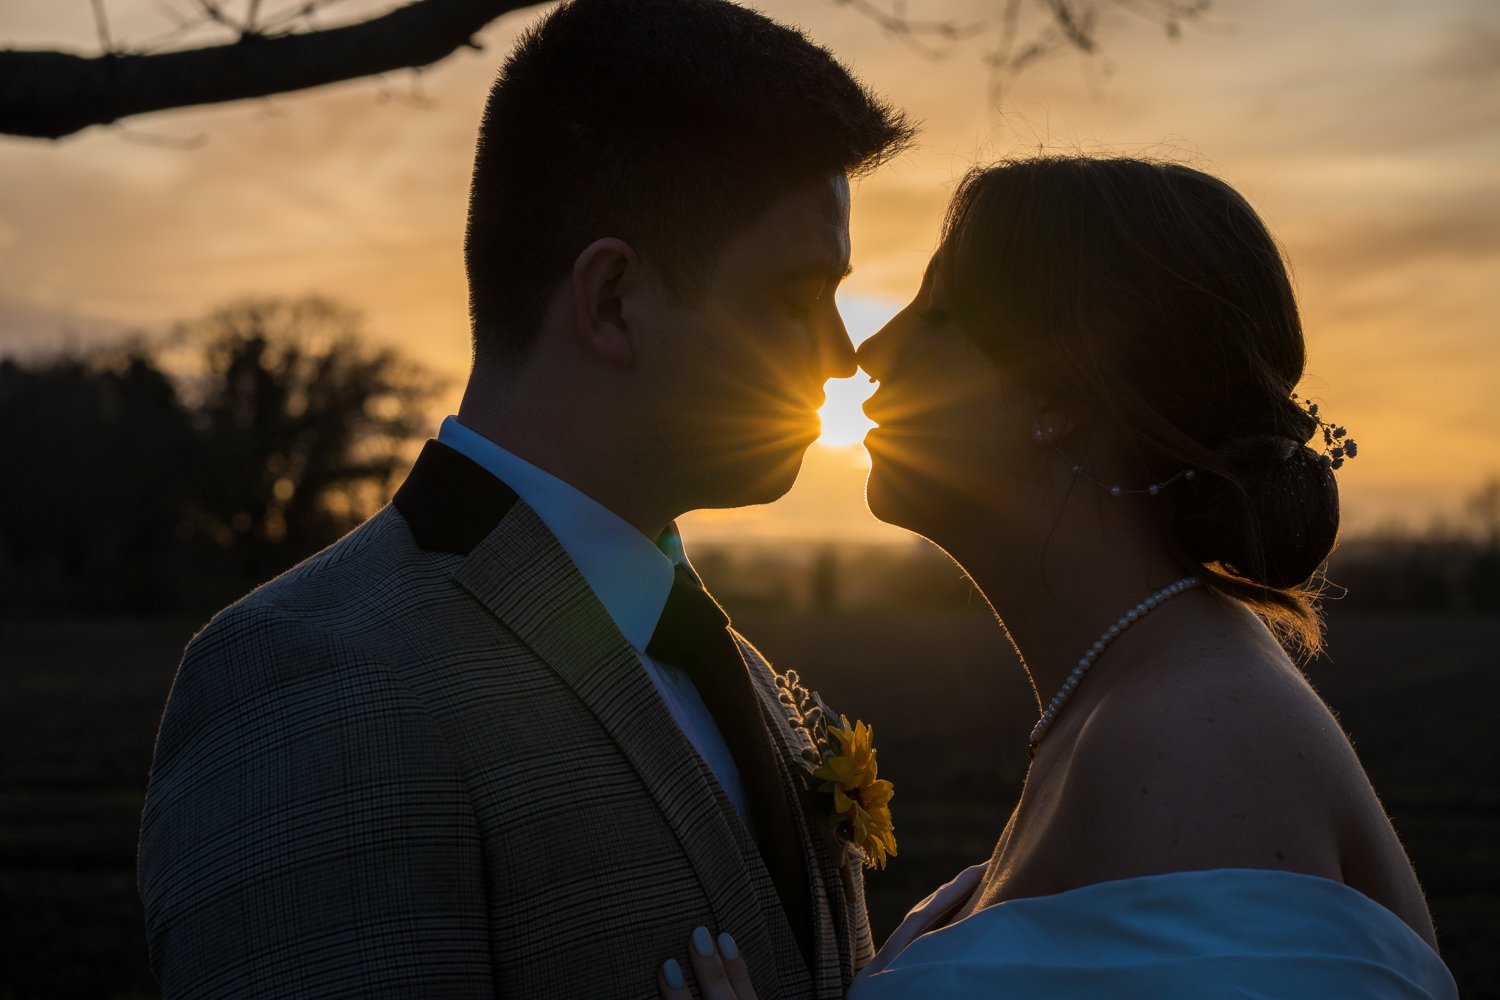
[844,423]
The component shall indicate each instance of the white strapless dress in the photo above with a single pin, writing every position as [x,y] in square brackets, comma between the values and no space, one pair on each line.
[1224,933]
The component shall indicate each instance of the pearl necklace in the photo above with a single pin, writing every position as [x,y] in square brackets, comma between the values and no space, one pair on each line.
[1110,635]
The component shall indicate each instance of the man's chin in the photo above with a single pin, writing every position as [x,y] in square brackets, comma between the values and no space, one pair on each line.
[764,485]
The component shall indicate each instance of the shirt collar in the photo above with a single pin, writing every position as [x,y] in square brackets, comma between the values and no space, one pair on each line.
[629,573]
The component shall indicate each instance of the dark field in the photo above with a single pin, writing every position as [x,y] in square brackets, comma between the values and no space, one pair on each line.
[1418,693]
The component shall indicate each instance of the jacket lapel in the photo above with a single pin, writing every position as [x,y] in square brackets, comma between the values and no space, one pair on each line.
[523,576]
[518,571]
[824,853]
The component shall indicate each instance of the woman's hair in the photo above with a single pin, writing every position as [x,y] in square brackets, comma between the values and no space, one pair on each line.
[1153,295]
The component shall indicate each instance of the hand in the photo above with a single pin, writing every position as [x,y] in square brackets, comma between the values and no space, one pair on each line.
[720,971]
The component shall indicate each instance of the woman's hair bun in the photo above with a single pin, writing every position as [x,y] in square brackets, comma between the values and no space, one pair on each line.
[1274,521]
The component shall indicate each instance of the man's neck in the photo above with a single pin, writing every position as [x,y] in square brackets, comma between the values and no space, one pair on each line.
[569,445]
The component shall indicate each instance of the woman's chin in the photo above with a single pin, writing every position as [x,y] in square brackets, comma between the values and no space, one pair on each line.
[884,492]
[916,497]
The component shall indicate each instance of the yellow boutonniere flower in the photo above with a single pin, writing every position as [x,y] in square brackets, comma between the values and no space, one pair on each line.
[855,799]
[860,798]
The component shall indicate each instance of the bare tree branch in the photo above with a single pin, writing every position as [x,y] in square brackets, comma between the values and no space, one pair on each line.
[918,34]
[48,94]
[1066,25]
[54,94]
[1073,25]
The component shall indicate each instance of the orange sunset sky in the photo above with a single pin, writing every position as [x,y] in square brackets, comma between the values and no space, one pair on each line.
[1366,132]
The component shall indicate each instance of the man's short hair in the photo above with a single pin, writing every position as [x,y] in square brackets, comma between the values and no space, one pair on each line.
[670,124]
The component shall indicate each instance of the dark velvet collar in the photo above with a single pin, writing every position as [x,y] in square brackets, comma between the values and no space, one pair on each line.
[451,502]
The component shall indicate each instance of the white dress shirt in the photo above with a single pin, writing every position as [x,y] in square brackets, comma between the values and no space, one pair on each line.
[627,572]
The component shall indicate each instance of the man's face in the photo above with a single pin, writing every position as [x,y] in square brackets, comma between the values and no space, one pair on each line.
[741,369]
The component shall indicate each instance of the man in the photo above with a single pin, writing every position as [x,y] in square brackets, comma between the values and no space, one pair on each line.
[497,741]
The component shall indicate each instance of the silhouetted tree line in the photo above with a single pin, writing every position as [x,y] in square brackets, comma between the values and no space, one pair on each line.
[833,576]
[1447,567]
[148,479]
[174,476]
[1432,571]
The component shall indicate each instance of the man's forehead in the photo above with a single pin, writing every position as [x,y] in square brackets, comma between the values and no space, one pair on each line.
[837,209]
[804,231]
[814,222]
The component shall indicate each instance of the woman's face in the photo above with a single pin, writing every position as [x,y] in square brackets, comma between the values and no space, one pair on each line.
[954,433]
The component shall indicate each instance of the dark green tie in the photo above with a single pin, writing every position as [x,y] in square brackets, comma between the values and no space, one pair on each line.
[693,634]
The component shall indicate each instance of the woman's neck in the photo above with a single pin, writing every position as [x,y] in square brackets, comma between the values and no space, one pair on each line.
[1057,597]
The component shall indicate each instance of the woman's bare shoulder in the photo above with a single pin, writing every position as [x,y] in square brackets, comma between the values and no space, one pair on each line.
[1227,759]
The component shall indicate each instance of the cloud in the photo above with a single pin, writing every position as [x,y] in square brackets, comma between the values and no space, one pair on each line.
[894,228]
[1364,130]
[1469,52]
[1443,229]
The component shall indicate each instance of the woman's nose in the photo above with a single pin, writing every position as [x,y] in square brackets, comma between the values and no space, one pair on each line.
[875,354]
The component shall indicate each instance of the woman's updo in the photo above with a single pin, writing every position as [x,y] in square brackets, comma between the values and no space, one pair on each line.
[1153,294]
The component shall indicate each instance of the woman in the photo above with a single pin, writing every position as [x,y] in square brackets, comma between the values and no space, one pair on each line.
[1090,406]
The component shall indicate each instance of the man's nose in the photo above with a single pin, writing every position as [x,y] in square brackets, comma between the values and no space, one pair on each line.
[837,350]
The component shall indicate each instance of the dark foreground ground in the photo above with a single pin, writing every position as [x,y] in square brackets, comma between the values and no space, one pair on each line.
[1418,693]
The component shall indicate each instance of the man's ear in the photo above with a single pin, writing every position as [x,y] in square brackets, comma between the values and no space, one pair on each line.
[602,275]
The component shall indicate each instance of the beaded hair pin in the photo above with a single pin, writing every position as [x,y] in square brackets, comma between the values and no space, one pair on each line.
[1118,491]
[1337,444]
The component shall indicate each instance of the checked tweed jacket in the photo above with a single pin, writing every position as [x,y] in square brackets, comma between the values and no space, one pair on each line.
[425,763]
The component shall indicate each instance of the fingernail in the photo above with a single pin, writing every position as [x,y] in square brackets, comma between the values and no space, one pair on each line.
[672,973]
[727,947]
[703,942]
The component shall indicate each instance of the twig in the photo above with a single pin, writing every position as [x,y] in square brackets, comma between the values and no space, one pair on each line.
[915,33]
[159,139]
[1074,25]
[102,22]
[212,11]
